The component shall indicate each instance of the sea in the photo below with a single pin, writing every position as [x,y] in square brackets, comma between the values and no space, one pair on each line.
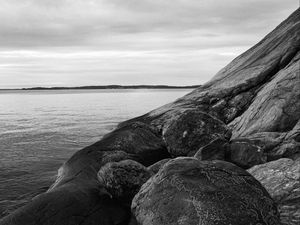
[40,129]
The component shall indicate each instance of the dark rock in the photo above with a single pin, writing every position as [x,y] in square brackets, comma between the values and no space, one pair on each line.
[187,191]
[193,130]
[71,204]
[245,153]
[116,156]
[139,139]
[153,169]
[123,179]
[216,149]
[281,178]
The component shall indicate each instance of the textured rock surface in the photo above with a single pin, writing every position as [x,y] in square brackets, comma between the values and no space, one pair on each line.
[281,178]
[257,93]
[245,153]
[187,191]
[123,179]
[193,130]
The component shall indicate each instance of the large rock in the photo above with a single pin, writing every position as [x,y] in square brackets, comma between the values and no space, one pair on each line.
[187,191]
[123,179]
[193,130]
[281,178]
[245,153]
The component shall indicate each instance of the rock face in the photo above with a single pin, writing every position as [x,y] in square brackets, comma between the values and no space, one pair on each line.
[281,178]
[256,96]
[187,191]
[123,179]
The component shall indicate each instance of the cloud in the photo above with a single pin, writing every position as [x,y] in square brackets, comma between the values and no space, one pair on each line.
[111,41]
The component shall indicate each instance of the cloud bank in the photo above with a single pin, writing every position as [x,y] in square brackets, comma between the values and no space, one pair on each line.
[90,42]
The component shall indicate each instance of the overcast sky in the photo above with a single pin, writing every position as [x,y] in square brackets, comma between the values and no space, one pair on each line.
[99,42]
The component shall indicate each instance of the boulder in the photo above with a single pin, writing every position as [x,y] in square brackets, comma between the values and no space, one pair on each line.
[281,178]
[123,179]
[244,153]
[193,130]
[187,191]
[216,149]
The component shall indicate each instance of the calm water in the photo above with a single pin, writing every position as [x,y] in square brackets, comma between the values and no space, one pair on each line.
[39,130]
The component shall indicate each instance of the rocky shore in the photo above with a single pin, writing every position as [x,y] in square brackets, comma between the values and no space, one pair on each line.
[226,153]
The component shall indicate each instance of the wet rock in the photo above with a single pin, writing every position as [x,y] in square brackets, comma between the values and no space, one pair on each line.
[244,153]
[281,178]
[153,169]
[187,191]
[123,179]
[193,130]
[216,149]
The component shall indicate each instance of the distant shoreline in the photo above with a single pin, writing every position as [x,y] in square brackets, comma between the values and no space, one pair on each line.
[104,87]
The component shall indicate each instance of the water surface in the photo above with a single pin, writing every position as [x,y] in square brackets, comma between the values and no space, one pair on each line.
[39,130]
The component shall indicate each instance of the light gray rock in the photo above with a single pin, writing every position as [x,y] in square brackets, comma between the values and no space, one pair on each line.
[281,178]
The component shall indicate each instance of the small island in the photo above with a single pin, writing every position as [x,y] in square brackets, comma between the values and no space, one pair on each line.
[113,87]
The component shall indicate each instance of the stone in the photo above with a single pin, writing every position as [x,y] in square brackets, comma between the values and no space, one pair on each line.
[187,191]
[153,169]
[216,149]
[288,149]
[139,139]
[281,178]
[245,153]
[123,179]
[193,130]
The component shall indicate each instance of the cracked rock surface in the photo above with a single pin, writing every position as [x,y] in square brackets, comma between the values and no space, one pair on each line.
[281,178]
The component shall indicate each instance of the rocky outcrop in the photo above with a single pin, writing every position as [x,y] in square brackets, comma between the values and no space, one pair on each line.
[281,178]
[256,97]
[189,191]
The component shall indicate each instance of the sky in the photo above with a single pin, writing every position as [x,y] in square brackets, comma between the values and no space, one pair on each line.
[129,42]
